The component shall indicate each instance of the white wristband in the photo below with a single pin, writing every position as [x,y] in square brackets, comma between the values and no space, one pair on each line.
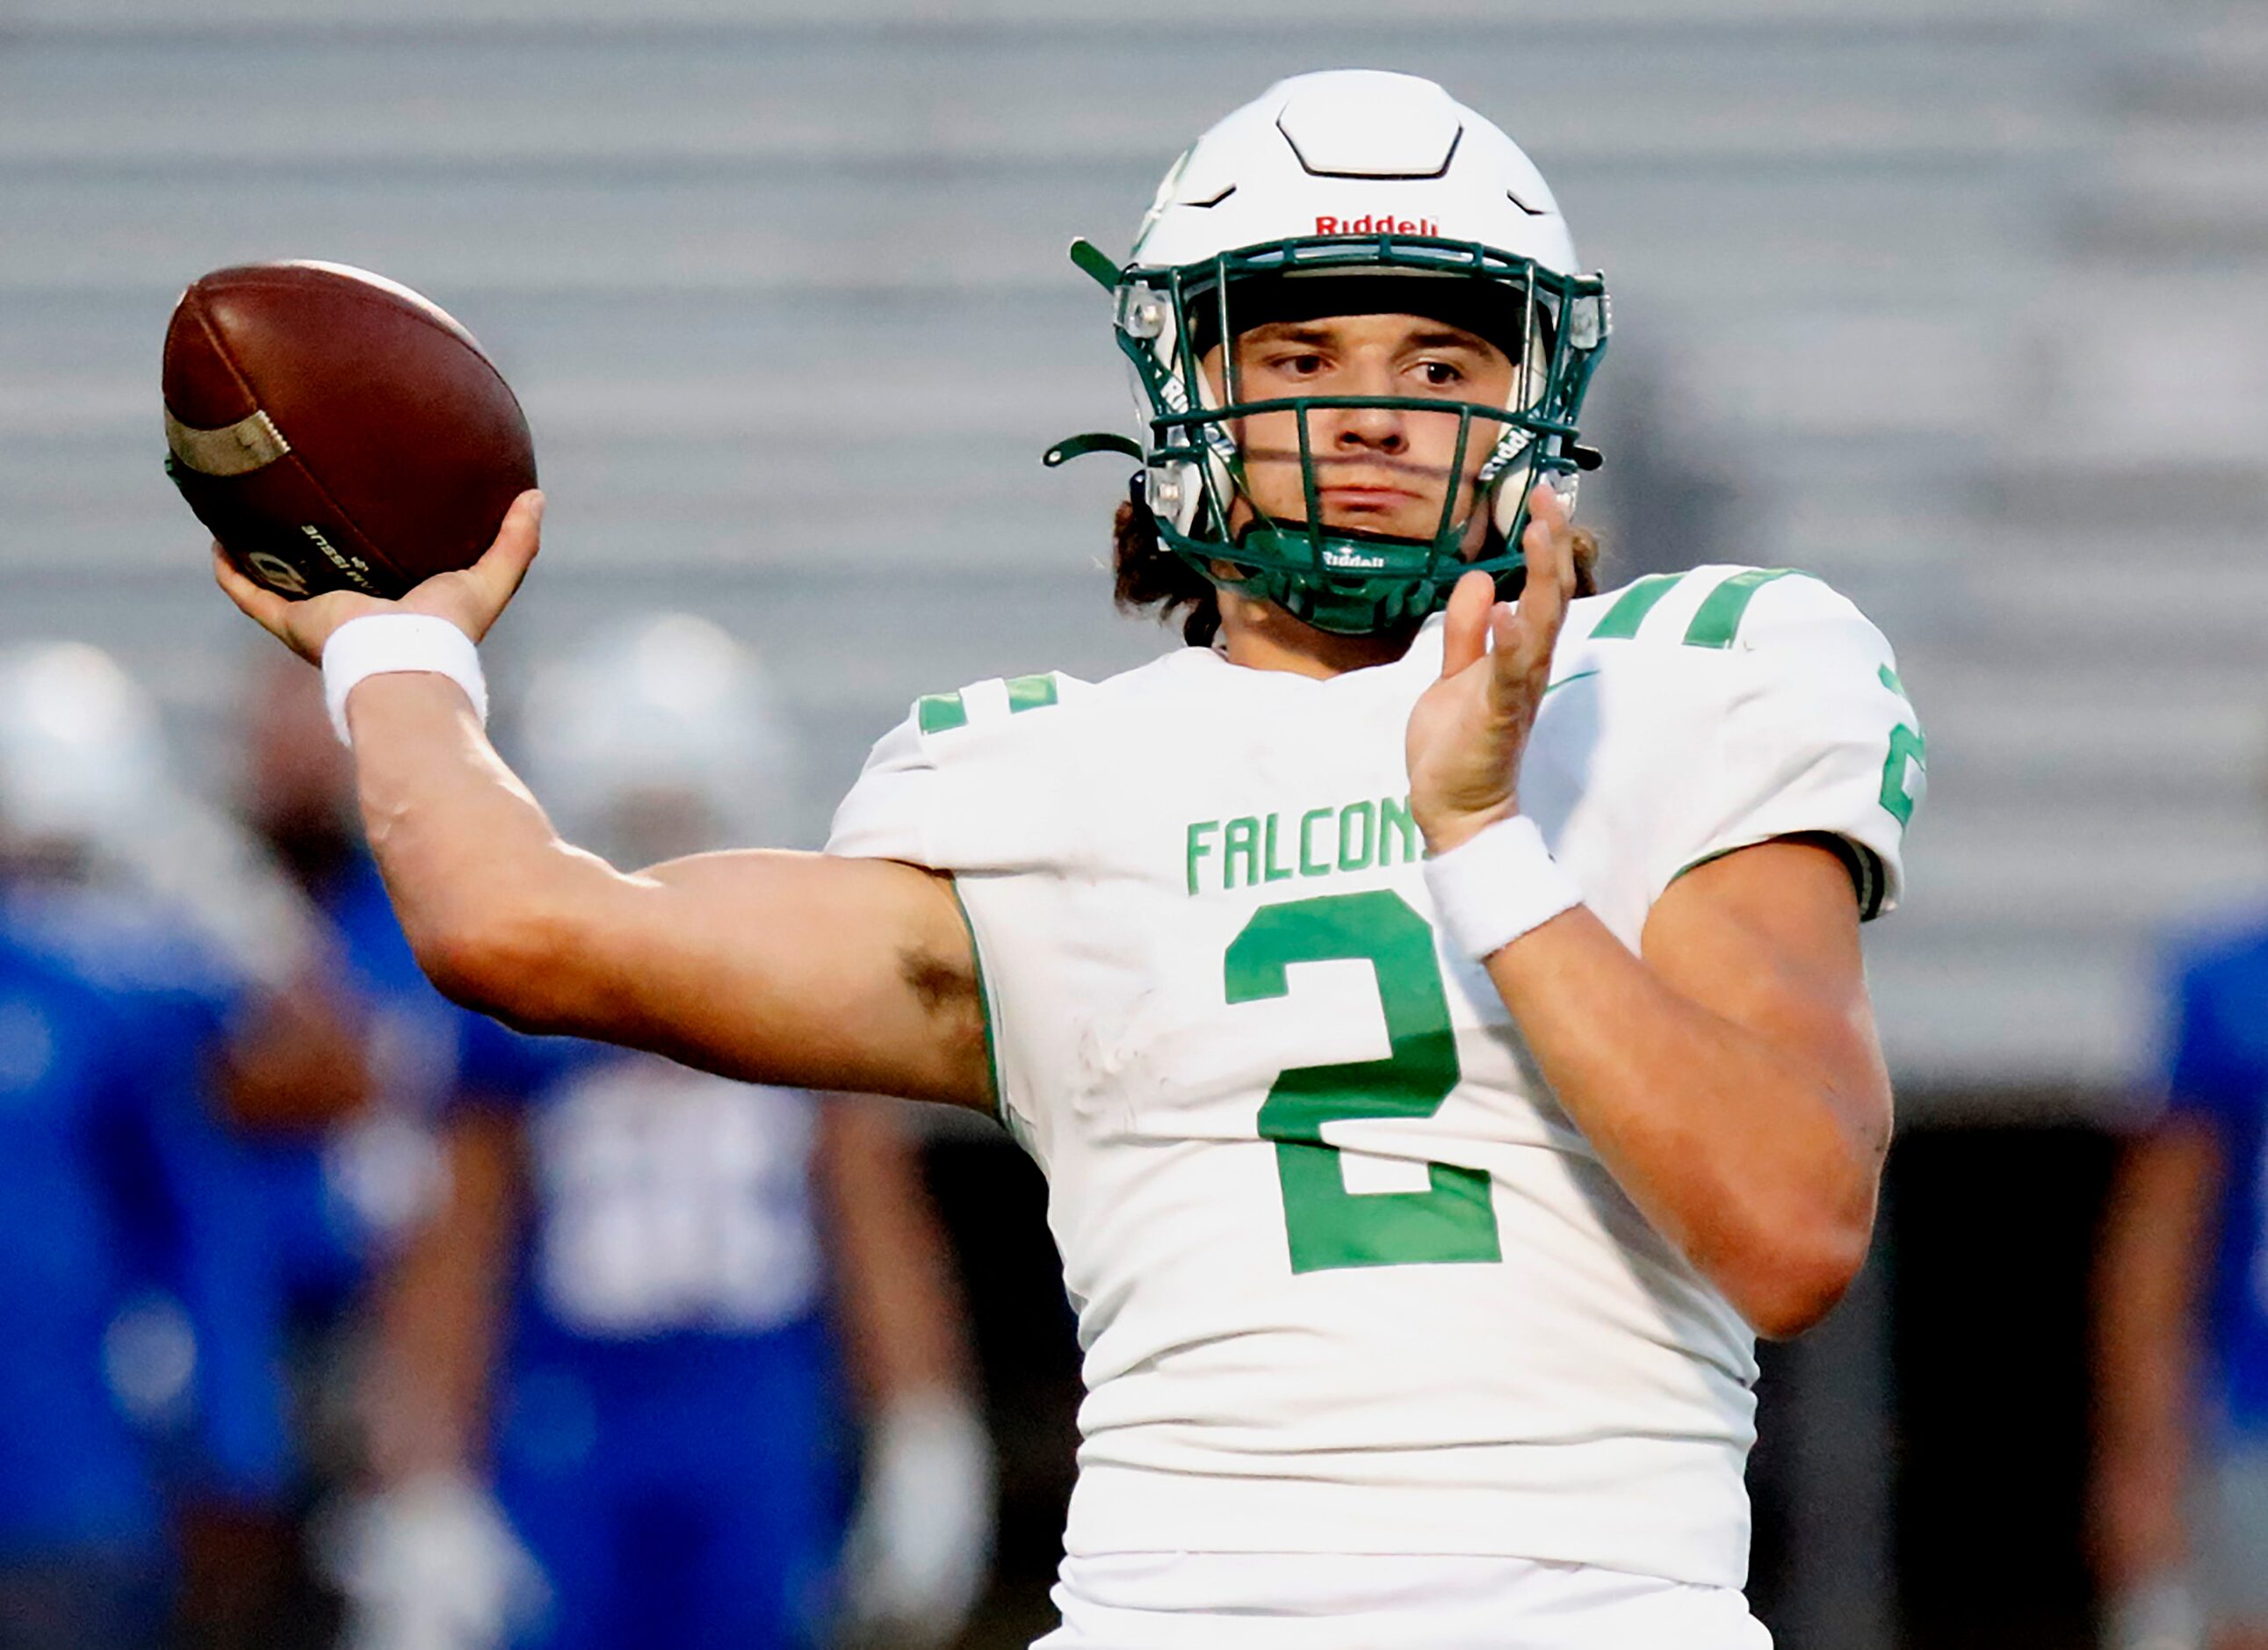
[383,643]
[1491,890]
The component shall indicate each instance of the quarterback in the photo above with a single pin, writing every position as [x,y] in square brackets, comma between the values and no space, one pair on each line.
[1434,994]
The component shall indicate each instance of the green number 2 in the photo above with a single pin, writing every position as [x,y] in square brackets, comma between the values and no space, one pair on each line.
[1327,1226]
[1909,754]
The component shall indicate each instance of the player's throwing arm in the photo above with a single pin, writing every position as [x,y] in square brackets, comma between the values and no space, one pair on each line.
[783,968]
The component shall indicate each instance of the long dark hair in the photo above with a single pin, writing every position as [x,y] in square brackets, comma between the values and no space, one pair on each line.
[1149,578]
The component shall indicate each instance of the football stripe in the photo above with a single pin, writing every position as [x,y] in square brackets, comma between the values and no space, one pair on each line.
[252,443]
[936,712]
[1624,618]
[1717,621]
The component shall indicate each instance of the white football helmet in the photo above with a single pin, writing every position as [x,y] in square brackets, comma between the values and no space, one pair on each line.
[82,755]
[1351,192]
[84,782]
[658,737]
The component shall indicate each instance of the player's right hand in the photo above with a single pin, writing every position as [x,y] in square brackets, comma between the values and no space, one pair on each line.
[470,599]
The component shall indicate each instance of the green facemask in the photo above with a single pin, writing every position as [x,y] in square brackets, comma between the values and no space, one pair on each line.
[1337,580]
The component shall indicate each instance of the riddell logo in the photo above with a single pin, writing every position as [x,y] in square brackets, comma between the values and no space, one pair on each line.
[1376,224]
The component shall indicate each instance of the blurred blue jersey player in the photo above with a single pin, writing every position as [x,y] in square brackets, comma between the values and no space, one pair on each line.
[152,997]
[615,1402]
[2180,1498]
[81,1526]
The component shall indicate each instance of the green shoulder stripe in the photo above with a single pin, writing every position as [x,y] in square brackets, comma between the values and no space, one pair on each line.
[1717,621]
[939,713]
[1624,618]
[935,713]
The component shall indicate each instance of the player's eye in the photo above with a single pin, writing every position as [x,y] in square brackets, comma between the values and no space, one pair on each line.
[1439,374]
[1306,363]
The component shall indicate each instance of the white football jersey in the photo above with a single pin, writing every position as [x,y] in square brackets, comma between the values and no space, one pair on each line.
[1348,1279]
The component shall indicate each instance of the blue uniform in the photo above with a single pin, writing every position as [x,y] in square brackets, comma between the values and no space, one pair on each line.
[370,1176]
[668,1437]
[2219,1074]
[287,1228]
[669,1434]
[237,1241]
[73,1474]
[309,1217]
[119,1368]
[189,1341]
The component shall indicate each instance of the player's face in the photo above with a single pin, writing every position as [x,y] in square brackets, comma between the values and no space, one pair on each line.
[1377,469]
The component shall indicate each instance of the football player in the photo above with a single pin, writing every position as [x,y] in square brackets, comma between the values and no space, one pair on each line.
[2179,1494]
[607,1411]
[1434,995]
[158,984]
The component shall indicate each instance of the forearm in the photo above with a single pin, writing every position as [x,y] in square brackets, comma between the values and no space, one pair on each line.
[2143,1358]
[1746,1159]
[438,1311]
[472,865]
[2153,1253]
[899,1303]
[296,1063]
[2141,1467]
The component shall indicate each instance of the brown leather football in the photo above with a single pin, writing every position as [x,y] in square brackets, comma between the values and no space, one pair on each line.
[336,430]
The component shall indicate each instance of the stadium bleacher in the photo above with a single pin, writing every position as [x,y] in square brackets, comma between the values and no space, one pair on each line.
[1960,298]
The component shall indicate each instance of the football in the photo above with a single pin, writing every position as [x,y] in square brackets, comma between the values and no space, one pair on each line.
[336,431]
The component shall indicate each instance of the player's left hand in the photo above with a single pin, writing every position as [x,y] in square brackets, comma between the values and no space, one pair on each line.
[1468,731]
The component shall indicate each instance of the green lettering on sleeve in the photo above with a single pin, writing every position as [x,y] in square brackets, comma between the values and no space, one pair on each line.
[1029,693]
[935,713]
[1198,831]
[1909,754]
[1241,840]
[1906,756]
[1364,815]
[1394,820]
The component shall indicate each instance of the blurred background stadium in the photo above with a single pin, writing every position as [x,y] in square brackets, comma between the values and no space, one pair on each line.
[1962,303]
